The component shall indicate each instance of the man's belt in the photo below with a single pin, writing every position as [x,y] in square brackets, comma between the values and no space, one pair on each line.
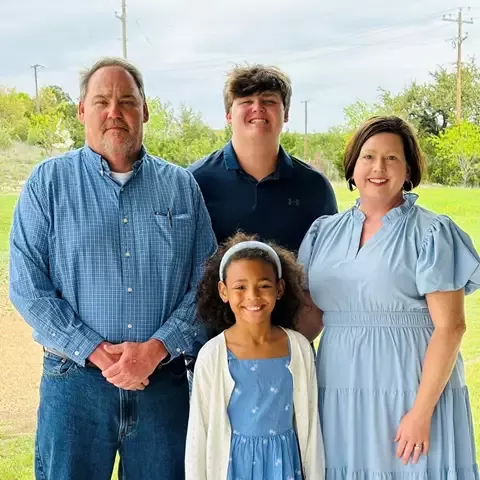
[63,357]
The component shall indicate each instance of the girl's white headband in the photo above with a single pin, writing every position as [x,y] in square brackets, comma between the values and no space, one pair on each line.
[248,245]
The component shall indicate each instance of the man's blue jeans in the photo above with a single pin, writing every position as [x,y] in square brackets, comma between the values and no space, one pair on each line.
[83,421]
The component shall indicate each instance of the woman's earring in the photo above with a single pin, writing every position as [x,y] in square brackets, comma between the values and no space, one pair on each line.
[408,186]
[351,184]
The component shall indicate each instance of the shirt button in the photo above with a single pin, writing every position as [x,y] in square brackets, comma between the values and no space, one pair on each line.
[178,350]
[127,254]
[77,353]
[53,334]
[125,220]
[129,289]
[121,189]
[129,325]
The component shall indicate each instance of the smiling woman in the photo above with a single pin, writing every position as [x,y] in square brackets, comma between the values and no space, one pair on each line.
[383,141]
[390,278]
[382,165]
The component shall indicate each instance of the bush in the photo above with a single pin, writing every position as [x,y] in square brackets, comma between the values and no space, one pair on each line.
[5,139]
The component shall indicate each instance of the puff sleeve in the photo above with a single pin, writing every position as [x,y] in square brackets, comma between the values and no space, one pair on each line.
[447,260]
[306,249]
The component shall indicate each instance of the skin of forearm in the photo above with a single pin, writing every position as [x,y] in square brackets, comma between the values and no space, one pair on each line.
[310,319]
[438,365]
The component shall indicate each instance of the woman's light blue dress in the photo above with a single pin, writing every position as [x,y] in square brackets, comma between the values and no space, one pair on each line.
[377,329]
[264,443]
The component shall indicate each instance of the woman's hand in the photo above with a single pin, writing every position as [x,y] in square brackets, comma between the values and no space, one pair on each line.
[310,319]
[448,316]
[413,436]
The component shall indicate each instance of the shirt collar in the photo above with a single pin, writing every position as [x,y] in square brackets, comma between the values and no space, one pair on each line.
[284,164]
[100,164]
[409,200]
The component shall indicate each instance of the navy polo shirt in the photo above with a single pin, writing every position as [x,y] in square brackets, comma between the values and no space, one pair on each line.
[280,207]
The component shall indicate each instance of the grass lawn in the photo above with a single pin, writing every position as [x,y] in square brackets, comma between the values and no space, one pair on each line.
[462,205]
[16,458]
[7,203]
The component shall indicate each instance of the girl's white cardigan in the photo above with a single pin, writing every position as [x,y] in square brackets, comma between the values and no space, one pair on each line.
[208,438]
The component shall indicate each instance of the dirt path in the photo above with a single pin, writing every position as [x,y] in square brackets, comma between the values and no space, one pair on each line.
[20,370]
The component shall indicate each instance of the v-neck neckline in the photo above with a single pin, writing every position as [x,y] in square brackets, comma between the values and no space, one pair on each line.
[355,249]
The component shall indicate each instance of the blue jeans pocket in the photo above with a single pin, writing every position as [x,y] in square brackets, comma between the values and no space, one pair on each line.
[57,366]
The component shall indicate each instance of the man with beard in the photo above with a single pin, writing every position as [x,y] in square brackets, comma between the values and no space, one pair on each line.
[107,246]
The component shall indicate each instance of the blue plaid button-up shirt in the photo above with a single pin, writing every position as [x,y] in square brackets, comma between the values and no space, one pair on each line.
[92,260]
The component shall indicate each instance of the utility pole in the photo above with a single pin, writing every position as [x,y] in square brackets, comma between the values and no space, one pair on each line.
[457,43]
[123,19]
[35,71]
[305,141]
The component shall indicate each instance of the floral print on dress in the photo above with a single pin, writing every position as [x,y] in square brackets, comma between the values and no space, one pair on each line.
[264,444]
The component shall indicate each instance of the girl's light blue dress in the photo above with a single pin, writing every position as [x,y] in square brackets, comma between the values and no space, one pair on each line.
[264,443]
[377,329]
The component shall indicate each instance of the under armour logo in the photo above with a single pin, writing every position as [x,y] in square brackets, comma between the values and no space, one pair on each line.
[294,201]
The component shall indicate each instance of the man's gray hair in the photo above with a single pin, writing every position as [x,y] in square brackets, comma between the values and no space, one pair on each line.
[111,62]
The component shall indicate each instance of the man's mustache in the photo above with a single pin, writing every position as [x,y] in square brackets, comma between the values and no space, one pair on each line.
[115,124]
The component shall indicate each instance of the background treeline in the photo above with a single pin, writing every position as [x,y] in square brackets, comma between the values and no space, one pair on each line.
[452,150]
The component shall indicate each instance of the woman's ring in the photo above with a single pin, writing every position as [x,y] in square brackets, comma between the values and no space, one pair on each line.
[419,445]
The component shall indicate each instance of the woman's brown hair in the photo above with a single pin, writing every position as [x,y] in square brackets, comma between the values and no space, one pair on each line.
[386,124]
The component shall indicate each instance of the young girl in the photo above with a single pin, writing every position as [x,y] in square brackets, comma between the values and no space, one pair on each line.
[253,411]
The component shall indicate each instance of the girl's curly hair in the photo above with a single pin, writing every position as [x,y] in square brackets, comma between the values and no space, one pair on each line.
[218,316]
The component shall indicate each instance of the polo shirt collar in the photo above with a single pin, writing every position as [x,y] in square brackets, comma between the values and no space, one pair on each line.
[284,165]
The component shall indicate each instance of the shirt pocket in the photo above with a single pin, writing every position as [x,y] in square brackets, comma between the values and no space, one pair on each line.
[176,233]
[167,219]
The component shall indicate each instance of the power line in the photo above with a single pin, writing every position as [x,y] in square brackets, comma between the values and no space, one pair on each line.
[295,58]
[319,51]
[145,36]
[457,43]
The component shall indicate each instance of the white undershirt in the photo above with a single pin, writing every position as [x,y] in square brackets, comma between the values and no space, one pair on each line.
[121,178]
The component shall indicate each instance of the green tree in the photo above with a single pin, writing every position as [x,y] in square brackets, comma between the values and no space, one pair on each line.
[292,143]
[55,101]
[356,113]
[458,155]
[331,147]
[48,132]
[431,108]
[180,138]
[15,111]
[160,130]
[5,138]
[227,133]
[197,139]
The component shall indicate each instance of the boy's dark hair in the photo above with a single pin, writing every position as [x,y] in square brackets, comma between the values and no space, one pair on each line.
[218,316]
[249,80]
[386,124]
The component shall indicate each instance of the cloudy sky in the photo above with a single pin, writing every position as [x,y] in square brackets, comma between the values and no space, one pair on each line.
[335,52]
